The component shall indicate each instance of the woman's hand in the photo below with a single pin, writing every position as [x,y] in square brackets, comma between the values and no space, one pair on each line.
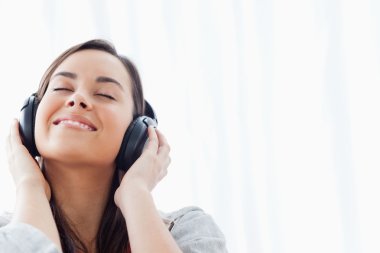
[146,230]
[33,191]
[149,169]
[23,167]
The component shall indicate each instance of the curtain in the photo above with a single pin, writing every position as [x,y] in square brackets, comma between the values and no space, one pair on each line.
[271,107]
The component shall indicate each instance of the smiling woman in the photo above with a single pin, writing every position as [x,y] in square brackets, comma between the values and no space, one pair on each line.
[75,93]
[90,193]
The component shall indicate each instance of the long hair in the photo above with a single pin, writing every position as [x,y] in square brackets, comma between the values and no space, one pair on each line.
[112,235]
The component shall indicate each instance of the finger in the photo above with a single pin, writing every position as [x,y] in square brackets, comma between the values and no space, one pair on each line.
[11,145]
[161,138]
[9,138]
[15,142]
[164,147]
[152,144]
[167,162]
[164,170]
[15,133]
[11,134]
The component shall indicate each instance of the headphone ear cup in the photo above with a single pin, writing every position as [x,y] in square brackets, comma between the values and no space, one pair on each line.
[133,142]
[27,123]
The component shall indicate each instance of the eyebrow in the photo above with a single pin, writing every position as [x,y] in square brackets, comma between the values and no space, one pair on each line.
[105,79]
[66,74]
[99,79]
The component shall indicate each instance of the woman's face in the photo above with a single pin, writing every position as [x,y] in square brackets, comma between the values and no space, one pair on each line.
[85,111]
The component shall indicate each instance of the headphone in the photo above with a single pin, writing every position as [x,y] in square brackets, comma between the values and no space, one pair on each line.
[131,147]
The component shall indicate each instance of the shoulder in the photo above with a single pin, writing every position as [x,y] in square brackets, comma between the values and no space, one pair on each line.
[194,230]
[21,237]
[187,218]
[5,218]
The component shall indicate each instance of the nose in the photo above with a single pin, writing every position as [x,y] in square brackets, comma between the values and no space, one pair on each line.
[78,100]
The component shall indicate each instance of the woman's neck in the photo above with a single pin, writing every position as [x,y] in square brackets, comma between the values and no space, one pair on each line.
[81,193]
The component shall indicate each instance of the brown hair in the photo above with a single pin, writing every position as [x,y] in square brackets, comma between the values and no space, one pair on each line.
[112,236]
[102,45]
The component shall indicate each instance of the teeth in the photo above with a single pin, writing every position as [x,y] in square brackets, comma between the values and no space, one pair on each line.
[76,123]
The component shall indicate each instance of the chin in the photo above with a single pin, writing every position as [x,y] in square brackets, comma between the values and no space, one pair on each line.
[78,156]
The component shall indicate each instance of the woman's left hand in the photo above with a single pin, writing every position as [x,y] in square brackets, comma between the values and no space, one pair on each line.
[149,169]
[146,230]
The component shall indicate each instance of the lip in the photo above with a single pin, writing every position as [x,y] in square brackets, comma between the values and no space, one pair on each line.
[76,118]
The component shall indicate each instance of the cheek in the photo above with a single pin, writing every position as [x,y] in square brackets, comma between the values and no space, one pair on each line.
[41,120]
[116,125]
[46,108]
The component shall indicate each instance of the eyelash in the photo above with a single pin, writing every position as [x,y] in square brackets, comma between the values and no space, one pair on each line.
[106,96]
[60,89]
[99,94]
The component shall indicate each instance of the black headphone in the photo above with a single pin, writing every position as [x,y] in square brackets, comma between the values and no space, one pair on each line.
[130,149]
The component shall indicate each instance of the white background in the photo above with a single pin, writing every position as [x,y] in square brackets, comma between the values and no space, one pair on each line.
[271,107]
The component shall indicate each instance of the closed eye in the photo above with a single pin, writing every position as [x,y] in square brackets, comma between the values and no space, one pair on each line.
[61,89]
[106,96]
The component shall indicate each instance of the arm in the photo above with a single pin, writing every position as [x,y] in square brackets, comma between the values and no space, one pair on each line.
[32,207]
[32,190]
[146,230]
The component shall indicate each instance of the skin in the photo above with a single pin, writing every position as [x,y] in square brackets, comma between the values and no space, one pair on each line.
[79,160]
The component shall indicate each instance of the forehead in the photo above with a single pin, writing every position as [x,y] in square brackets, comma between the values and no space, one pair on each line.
[92,63]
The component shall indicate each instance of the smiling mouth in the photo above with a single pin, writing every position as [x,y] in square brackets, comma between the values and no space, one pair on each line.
[75,124]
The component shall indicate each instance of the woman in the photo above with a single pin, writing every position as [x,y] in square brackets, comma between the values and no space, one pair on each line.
[78,198]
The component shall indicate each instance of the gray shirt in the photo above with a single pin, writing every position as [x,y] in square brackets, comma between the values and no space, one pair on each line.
[193,230]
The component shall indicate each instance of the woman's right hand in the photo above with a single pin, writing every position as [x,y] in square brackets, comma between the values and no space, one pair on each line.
[23,167]
[33,191]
